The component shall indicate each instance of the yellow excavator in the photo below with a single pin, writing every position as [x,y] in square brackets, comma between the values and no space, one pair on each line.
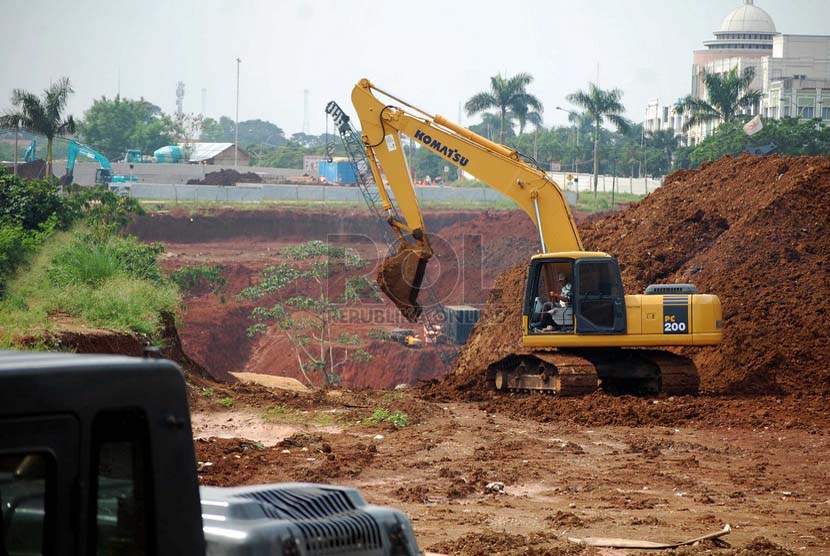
[579,329]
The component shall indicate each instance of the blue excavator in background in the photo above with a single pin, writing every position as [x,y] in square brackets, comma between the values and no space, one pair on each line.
[30,154]
[103,175]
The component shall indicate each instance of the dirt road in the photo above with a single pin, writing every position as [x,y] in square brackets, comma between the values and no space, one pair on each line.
[560,479]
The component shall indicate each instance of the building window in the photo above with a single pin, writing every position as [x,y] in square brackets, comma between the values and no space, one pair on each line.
[825,113]
[786,112]
[806,112]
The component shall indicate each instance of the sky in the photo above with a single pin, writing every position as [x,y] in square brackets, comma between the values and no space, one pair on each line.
[434,54]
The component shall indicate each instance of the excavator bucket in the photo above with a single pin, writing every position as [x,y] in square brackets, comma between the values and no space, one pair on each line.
[400,277]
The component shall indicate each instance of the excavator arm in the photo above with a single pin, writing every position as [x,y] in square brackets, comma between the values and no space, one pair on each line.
[498,166]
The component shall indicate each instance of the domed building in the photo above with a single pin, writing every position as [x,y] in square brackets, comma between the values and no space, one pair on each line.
[792,71]
[745,36]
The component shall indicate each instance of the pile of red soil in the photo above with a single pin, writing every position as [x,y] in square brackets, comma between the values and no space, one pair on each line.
[226,177]
[753,231]
[29,170]
[470,255]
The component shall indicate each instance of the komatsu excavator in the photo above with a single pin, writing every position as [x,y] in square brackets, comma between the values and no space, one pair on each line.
[579,329]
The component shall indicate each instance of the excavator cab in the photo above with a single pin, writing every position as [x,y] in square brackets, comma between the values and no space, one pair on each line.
[103,176]
[574,293]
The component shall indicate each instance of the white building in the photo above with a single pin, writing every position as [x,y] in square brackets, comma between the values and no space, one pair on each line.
[792,71]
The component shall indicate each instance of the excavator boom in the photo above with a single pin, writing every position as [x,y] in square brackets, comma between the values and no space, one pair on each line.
[498,166]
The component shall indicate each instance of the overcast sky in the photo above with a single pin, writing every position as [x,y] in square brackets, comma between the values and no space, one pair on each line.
[432,53]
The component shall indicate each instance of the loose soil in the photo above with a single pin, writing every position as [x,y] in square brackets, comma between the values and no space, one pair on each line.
[751,230]
[561,479]
[750,451]
[35,169]
[226,177]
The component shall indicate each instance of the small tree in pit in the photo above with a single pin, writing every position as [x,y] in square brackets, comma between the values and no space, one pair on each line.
[308,321]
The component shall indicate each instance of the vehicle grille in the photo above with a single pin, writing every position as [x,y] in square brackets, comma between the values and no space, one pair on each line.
[329,521]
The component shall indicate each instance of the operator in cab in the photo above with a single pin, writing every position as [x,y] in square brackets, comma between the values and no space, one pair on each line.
[554,311]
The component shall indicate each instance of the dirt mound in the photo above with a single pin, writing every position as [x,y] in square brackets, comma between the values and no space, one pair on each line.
[228,176]
[751,230]
[67,337]
[29,170]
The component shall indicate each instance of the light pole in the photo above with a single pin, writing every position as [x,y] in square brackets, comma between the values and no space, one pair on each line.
[236,127]
[576,149]
[16,131]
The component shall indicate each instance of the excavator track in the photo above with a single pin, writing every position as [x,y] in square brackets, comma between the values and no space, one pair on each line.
[554,373]
[580,372]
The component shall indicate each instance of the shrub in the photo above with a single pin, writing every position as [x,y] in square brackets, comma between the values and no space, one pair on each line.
[199,277]
[90,261]
[30,203]
[378,334]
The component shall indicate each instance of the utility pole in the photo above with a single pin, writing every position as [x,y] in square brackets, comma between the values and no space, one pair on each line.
[236,127]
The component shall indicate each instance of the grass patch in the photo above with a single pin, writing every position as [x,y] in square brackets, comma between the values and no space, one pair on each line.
[586,200]
[111,282]
[398,419]
[226,402]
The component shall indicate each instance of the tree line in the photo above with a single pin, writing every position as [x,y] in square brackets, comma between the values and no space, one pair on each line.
[509,113]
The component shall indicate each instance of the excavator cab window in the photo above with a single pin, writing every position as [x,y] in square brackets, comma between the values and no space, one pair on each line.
[599,297]
[550,288]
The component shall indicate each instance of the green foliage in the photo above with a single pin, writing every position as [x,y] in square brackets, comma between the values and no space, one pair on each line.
[427,163]
[348,339]
[30,203]
[257,132]
[226,402]
[308,250]
[505,95]
[361,356]
[728,94]
[105,211]
[360,288]
[381,415]
[90,261]
[115,125]
[378,334]
[30,210]
[42,115]
[793,137]
[16,244]
[112,283]
[273,278]
[199,277]
[306,321]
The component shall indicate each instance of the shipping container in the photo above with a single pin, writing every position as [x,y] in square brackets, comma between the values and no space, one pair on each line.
[459,321]
[340,172]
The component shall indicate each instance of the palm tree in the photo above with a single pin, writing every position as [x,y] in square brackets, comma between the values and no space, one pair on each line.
[665,140]
[524,117]
[505,94]
[728,94]
[42,116]
[601,105]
